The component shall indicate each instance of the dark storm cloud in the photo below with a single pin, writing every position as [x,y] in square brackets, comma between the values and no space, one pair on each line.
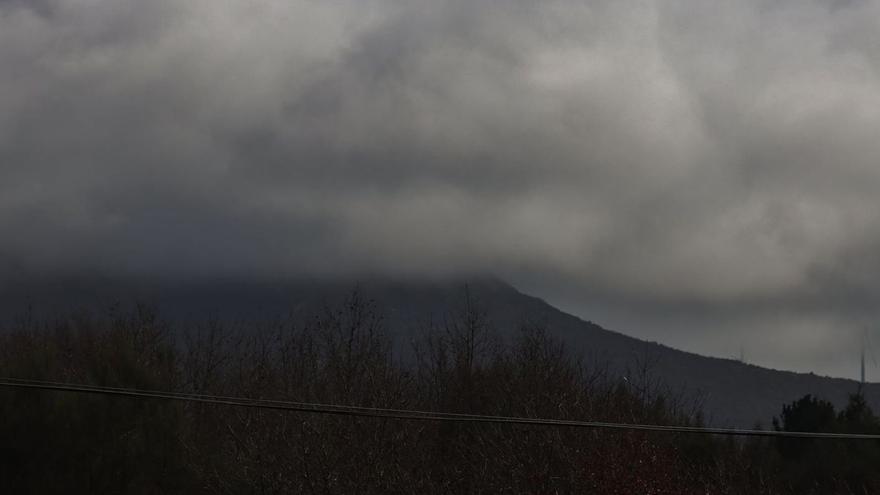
[689,172]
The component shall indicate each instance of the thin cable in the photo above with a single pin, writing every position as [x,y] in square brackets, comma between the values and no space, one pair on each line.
[401,414]
[254,400]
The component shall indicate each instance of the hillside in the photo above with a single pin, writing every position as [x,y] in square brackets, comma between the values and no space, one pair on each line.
[732,393]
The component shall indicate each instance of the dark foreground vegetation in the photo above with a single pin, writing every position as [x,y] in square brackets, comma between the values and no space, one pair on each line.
[54,442]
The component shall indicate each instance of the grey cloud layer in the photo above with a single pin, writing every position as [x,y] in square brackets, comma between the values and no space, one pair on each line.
[676,153]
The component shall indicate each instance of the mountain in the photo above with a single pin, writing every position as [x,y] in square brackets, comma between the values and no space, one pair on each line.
[732,393]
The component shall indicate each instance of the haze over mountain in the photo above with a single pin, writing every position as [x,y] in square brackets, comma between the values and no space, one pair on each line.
[730,392]
[698,174]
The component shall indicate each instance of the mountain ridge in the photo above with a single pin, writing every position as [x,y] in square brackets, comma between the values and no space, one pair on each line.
[732,393]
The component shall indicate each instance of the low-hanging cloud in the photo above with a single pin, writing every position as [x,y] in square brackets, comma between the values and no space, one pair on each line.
[654,156]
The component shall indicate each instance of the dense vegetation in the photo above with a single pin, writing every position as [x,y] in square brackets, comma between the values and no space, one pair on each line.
[65,442]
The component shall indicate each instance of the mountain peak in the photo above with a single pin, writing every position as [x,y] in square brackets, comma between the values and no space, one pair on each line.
[733,393]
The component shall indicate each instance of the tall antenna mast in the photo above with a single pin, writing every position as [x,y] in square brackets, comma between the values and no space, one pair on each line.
[863,362]
[867,350]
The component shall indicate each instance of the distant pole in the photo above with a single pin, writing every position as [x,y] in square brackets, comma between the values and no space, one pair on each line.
[863,364]
[864,344]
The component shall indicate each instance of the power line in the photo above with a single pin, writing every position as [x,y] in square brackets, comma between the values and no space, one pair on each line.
[406,414]
[184,395]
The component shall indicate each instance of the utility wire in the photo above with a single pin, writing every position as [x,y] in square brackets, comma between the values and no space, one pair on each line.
[404,414]
[184,395]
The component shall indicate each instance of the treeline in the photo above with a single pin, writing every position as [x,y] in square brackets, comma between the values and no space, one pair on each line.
[53,442]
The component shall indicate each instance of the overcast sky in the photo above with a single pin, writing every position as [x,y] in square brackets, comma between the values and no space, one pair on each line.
[703,174]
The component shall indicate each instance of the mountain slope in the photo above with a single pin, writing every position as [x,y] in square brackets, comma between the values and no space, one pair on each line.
[732,393]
